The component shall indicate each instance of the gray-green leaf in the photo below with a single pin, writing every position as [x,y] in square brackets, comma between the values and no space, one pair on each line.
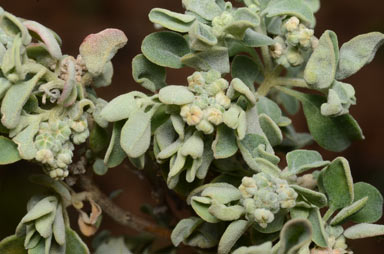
[300,161]
[295,234]
[233,232]
[364,230]
[172,20]
[9,153]
[148,74]
[224,145]
[358,52]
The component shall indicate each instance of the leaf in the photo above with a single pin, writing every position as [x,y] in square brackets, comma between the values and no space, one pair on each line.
[295,234]
[58,186]
[358,52]
[321,67]
[271,130]
[316,198]
[15,99]
[233,232]
[165,49]
[74,244]
[224,145]
[205,236]
[148,74]
[275,226]
[215,58]
[338,183]
[202,210]
[332,133]
[265,248]
[176,95]
[254,39]
[184,229]
[120,107]
[99,167]
[373,210]
[13,25]
[136,134]
[193,146]
[47,36]
[172,20]
[224,194]
[300,161]
[247,70]
[319,236]
[313,4]
[207,9]
[98,49]
[348,211]
[270,108]
[364,230]
[115,154]
[113,245]
[98,139]
[226,213]
[59,226]
[4,85]
[201,37]
[291,8]
[248,147]
[12,245]
[9,153]
[42,208]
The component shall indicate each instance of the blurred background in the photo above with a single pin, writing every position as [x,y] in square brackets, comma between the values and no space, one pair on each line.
[73,20]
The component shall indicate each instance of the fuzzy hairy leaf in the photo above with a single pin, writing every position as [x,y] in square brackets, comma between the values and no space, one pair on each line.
[233,232]
[172,20]
[295,234]
[9,153]
[319,235]
[12,245]
[364,230]
[148,74]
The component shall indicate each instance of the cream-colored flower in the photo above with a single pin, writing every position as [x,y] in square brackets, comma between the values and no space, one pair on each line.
[277,50]
[196,79]
[191,114]
[214,115]
[292,24]
[223,100]
[45,156]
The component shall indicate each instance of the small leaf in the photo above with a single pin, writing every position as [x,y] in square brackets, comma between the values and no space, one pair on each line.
[98,49]
[316,198]
[207,9]
[113,245]
[215,58]
[202,210]
[254,39]
[172,20]
[115,154]
[295,234]
[247,70]
[300,161]
[4,85]
[99,167]
[13,25]
[201,37]
[271,130]
[364,230]
[42,208]
[120,107]
[358,52]
[313,4]
[47,36]
[165,49]
[233,232]
[59,226]
[224,145]
[319,236]
[321,67]
[224,194]
[9,153]
[226,213]
[98,139]
[270,108]
[58,186]
[373,210]
[332,133]
[136,134]
[176,95]
[184,229]
[338,183]
[193,146]
[15,99]
[348,211]
[265,248]
[291,8]
[74,244]
[12,245]
[148,74]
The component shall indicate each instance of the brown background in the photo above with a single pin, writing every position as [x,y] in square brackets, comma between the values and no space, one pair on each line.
[74,19]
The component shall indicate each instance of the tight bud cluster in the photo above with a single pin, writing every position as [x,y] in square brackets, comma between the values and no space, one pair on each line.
[54,144]
[264,195]
[293,44]
[210,103]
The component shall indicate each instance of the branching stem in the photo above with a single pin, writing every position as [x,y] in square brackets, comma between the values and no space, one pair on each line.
[118,214]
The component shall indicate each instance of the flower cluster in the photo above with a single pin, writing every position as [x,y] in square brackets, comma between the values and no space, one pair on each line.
[294,43]
[264,195]
[55,144]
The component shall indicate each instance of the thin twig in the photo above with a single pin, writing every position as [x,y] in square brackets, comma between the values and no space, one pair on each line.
[118,214]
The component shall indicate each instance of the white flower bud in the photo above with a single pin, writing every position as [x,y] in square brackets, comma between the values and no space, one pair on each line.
[292,24]
[263,217]
[191,114]
[223,100]
[45,156]
[214,115]
[205,127]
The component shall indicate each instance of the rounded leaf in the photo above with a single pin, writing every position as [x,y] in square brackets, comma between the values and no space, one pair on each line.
[165,49]
[176,95]
[9,153]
